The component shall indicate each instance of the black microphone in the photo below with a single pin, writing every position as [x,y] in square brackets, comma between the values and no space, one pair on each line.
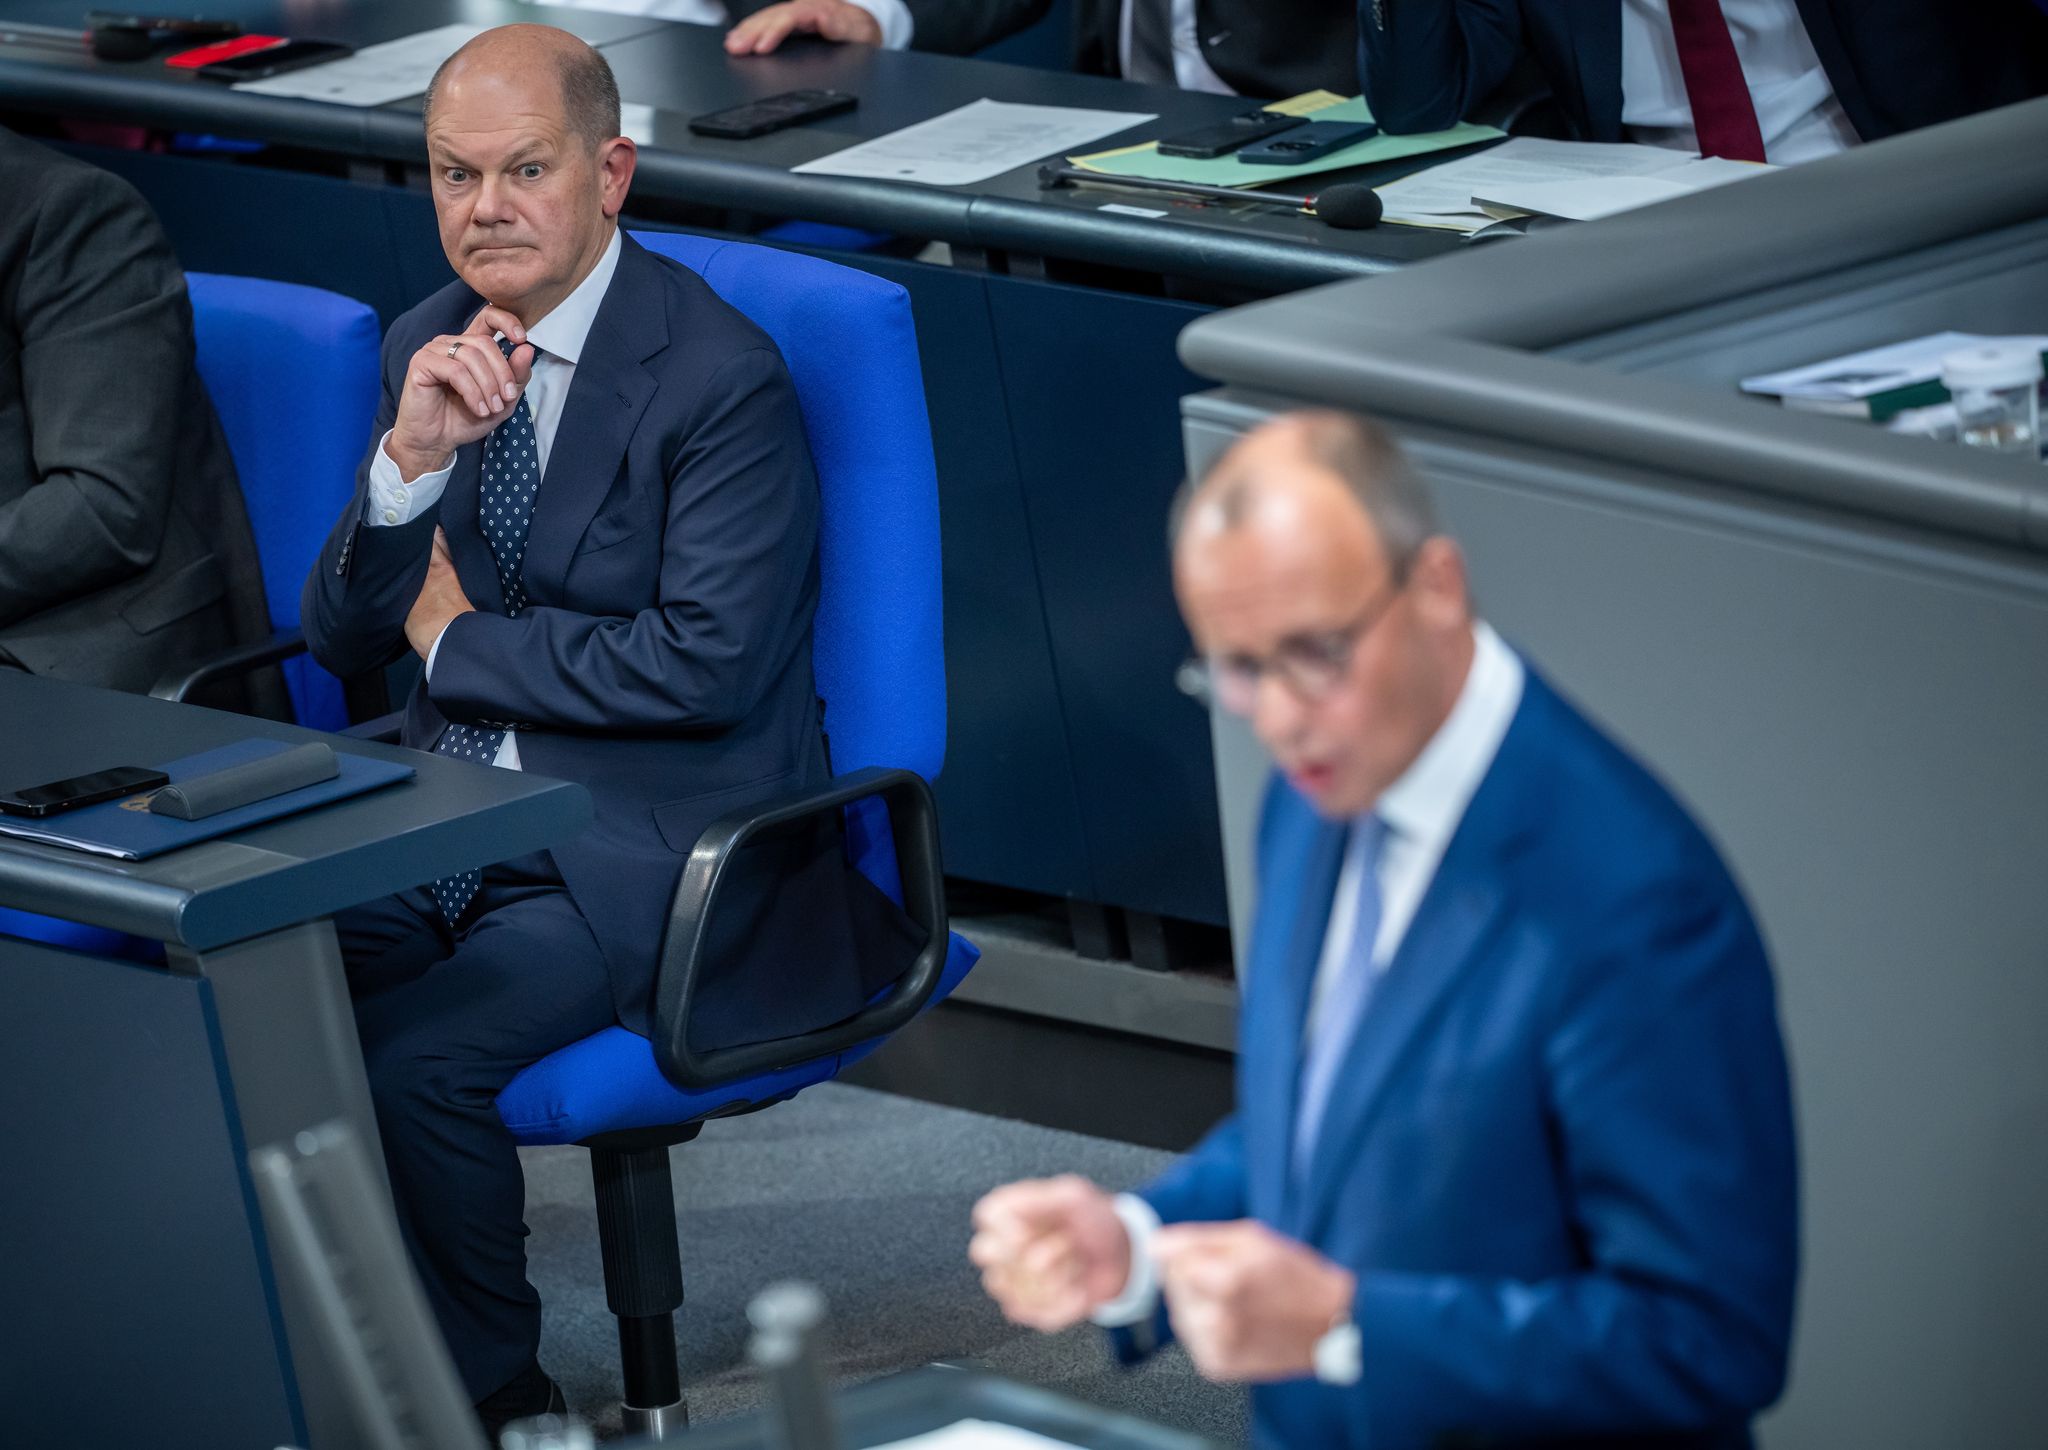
[1349,205]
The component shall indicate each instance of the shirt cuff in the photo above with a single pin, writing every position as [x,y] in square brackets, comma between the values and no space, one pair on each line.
[393,501]
[1140,1297]
[433,649]
[894,18]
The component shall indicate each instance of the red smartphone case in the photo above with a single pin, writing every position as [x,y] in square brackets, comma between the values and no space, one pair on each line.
[223,50]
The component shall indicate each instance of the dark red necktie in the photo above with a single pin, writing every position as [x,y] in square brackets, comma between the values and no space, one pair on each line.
[1722,113]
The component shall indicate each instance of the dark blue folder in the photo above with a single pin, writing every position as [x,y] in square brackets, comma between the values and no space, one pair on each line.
[125,828]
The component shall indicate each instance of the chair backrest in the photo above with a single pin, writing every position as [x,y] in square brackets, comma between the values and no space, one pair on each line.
[292,372]
[878,650]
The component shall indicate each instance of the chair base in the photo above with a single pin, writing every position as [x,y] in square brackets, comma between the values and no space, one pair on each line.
[667,1422]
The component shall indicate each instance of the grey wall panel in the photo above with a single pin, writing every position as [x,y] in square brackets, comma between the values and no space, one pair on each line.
[1856,714]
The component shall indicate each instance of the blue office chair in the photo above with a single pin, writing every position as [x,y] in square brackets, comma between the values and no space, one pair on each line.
[292,372]
[852,352]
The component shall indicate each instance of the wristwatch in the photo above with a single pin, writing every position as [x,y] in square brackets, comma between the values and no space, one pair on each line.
[1338,1358]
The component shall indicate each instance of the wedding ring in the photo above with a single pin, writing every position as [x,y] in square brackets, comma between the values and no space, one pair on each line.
[454,348]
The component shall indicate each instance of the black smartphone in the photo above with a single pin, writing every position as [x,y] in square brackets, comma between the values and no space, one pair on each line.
[1213,141]
[1311,143]
[81,790]
[276,60]
[772,113]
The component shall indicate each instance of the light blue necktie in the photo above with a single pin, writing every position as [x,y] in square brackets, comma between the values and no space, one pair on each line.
[1343,1004]
[511,477]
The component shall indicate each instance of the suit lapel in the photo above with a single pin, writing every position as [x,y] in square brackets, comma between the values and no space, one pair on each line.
[1272,1035]
[474,564]
[1459,915]
[607,395]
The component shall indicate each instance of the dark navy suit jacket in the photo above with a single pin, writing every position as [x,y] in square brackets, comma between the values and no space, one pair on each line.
[664,658]
[1895,64]
[1559,1154]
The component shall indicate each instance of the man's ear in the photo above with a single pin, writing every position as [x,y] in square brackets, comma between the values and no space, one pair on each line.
[615,162]
[1437,578]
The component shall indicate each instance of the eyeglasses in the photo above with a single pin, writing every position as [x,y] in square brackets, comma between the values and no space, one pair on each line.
[1310,665]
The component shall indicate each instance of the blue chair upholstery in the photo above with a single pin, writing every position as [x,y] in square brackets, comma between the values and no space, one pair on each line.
[878,654]
[292,372]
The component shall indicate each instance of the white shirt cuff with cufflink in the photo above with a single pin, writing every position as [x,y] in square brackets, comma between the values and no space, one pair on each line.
[894,18]
[393,501]
[1140,1296]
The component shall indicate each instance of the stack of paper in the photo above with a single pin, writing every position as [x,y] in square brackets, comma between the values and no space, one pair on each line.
[376,75]
[1146,161]
[1574,179]
[1878,383]
[973,142]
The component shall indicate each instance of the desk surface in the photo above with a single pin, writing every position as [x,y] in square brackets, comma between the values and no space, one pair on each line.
[449,818]
[683,70]
[883,1411]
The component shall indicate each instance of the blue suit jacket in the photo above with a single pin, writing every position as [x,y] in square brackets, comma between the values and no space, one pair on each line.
[664,658]
[1559,1154]
[1895,64]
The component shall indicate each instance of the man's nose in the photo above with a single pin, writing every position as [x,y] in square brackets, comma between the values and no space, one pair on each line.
[490,201]
[1277,713]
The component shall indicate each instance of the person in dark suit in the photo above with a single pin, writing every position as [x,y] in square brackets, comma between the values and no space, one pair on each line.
[1754,80]
[591,511]
[125,554]
[1512,1158]
[1270,49]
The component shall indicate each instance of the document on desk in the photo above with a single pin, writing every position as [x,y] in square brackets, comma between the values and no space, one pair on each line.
[978,1435]
[973,143]
[1444,196]
[376,75]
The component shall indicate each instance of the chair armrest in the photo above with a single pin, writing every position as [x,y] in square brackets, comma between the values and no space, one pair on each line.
[384,728]
[914,825]
[230,664]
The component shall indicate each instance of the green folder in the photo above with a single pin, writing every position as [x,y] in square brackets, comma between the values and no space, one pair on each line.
[1146,161]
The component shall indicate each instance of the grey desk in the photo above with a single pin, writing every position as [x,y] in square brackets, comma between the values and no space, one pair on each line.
[884,1411]
[137,1299]
[1828,638]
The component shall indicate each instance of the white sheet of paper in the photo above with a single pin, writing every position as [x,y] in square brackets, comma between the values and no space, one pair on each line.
[977,1435]
[1587,198]
[375,75]
[1442,195]
[973,143]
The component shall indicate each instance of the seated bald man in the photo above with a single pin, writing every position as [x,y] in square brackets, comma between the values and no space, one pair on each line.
[1512,1159]
[591,512]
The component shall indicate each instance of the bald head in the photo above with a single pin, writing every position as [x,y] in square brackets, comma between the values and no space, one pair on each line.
[1270,466]
[515,55]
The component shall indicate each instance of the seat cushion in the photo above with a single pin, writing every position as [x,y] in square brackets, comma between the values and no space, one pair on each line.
[609,1082]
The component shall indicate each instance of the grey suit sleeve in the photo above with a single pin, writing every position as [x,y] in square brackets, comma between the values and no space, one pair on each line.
[364,583]
[106,336]
[960,27]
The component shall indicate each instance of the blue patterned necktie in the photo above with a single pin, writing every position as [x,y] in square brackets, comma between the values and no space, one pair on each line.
[504,511]
[1338,1015]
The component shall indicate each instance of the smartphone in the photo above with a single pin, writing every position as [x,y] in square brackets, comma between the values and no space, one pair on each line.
[274,60]
[81,790]
[1308,143]
[758,118]
[1212,141]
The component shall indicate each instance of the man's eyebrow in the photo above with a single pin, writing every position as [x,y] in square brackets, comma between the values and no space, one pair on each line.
[443,156]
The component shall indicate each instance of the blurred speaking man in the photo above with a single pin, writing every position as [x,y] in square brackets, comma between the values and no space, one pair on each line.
[592,513]
[1512,1158]
[124,550]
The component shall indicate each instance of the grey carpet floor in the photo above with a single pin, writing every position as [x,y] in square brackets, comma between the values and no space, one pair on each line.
[865,1195]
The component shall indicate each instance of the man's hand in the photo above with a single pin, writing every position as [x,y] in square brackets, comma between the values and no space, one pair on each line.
[1248,1303]
[441,599]
[833,20]
[1051,1250]
[458,387]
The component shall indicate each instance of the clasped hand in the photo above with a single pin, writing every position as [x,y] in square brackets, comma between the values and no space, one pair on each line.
[458,387]
[440,600]
[1248,1303]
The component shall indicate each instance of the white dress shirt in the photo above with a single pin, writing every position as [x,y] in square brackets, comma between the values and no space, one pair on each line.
[1421,810]
[1190,71]
[1796,109]
[557,340]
